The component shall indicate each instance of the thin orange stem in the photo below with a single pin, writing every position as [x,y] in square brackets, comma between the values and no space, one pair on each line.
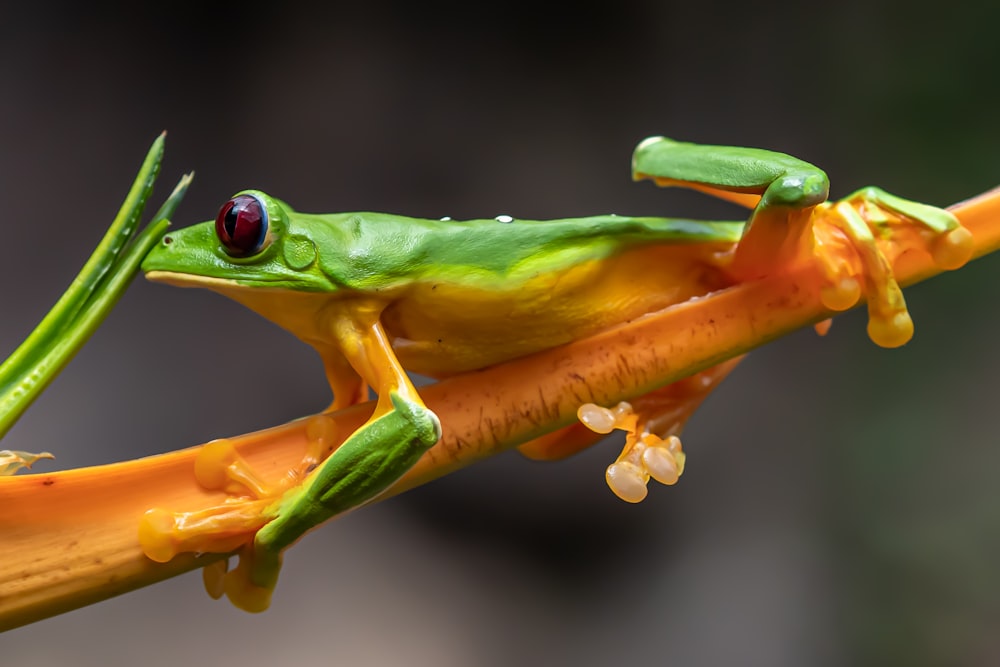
[70,538]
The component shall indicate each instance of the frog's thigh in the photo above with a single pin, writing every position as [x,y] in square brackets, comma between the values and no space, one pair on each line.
[666,409]
[560,444]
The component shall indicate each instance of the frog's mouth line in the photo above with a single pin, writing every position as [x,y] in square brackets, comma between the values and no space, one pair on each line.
[188,279]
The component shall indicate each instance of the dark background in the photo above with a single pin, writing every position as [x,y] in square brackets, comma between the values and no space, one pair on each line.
[840,504]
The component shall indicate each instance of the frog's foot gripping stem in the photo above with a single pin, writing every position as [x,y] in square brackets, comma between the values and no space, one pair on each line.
[368,463]
[652,424]
[858,238]
[227,527]
[854,241]
[273,517]
[645,454]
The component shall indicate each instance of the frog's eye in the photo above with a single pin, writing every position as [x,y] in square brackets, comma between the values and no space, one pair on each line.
[242,226]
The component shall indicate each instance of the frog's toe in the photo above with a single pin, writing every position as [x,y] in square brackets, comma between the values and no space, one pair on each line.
[890,330]
[219,466]
[213,576]
[157,531]
[953,249]
[661,464]
[220,529]
[598,419]
[251,585]
[627,481]
[840,293]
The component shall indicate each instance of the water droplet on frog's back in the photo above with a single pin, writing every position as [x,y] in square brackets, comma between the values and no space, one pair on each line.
[506,219]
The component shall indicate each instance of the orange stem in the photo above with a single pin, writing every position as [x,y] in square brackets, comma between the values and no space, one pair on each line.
[70,538]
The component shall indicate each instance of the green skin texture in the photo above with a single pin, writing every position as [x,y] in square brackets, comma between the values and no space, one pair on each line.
[373,252]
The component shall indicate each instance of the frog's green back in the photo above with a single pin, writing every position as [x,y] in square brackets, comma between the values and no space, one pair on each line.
[377,250]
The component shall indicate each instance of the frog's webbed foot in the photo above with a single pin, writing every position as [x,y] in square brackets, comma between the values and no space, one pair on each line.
[263,519]
[229,526]
[645,455]
[858,238]
[11,460]
[364,466]
[652,424]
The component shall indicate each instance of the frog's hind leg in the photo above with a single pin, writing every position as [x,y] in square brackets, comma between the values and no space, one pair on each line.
[560,444]
[853,242]
[348,387]
[781,190]
[652,424]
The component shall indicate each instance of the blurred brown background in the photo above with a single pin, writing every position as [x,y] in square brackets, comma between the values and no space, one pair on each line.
[840,504]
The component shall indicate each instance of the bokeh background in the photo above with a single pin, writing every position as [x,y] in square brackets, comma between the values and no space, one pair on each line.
[840,505]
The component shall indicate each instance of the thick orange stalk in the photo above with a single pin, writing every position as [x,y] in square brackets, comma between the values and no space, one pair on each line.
[68,539]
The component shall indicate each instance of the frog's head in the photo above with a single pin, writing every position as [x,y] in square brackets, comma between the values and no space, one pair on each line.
[249,246]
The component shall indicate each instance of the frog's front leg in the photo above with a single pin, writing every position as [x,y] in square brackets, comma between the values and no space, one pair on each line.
[368,462]
[226,527]
[792,224]
[348,387]
[268,518]
[398,433]
[264,518]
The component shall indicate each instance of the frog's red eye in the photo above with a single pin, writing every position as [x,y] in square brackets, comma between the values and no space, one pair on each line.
[242,226]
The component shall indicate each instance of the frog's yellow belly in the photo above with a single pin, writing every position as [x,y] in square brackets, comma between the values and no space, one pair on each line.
[441,328]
